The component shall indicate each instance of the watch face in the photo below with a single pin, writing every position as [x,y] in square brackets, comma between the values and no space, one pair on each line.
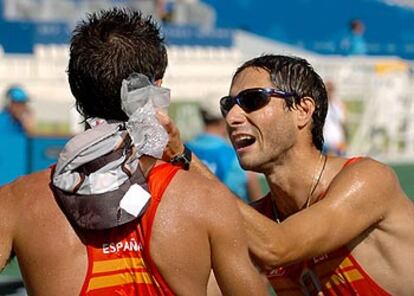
[183,160]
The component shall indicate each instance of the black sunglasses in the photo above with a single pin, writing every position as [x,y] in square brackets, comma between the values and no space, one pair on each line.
[252,99]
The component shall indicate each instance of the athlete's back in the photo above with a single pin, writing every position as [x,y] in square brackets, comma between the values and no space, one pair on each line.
[196,227]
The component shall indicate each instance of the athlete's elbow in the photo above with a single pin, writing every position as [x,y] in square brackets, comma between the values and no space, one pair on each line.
[271,256]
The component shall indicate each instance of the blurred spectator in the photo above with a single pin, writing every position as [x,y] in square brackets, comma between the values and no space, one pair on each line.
[218,155]
[16,121]
[334,130]
[353,42]
[168,11]
[16,116]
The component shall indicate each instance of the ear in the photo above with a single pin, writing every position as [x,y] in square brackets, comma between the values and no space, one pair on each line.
[158,82]
[304,111]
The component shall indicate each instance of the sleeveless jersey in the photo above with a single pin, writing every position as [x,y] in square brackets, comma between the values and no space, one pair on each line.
[119,262]
[335,273]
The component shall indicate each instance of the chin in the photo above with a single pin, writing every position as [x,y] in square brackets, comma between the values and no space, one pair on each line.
[253,164]
[249,165]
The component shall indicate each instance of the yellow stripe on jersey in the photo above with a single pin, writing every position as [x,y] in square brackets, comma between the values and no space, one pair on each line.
[346,263]
[353,275]
[119,279]
[117,264]
[338,279]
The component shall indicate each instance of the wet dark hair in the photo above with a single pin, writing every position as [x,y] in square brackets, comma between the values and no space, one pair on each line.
[105,49]
[293,74]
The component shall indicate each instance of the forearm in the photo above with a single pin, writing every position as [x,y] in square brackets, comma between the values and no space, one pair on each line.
[199,167]
[265,238]
[275,244]
[253,186]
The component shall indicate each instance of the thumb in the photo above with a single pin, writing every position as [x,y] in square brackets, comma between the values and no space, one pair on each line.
[165,121]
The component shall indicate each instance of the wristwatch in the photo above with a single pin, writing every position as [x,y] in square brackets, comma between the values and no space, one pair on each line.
[183,159]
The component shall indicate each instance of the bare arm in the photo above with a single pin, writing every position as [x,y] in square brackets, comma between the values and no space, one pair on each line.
[233,269]
[253,186]
[360,197]
[6,226]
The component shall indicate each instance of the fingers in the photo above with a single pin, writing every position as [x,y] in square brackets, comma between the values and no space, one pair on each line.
[169,126]
[165,121]
[175,145]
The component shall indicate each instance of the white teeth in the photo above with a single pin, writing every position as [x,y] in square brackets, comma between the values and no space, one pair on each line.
[243,138]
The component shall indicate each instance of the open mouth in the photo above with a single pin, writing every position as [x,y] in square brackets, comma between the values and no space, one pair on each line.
[243,141]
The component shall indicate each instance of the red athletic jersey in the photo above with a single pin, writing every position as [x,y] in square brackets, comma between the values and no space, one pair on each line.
[119,262]
[337,273]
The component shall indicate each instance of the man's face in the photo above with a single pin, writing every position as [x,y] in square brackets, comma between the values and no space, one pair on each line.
[259,137]
[17,109]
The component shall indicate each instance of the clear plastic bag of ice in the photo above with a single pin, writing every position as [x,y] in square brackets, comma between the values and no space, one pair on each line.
[140,100]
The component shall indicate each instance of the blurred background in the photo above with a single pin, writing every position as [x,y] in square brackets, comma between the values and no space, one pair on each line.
[364,50]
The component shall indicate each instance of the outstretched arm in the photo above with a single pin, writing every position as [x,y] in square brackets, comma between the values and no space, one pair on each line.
[253,186]
[360,197]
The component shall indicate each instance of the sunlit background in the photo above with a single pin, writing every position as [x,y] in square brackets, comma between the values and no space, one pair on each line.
[207,40]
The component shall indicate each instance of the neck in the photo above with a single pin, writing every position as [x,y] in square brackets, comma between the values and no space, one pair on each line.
[293,181]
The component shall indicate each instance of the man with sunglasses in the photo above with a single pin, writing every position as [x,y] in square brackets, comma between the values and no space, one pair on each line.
[330,225]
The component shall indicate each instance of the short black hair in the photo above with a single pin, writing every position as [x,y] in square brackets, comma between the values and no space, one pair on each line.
[294,74]
[105,49]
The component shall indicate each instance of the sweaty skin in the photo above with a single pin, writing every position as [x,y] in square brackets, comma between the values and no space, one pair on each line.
[197,228]
[364,207]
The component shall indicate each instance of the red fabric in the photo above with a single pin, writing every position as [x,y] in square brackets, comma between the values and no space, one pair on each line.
[119,262]
[338,271]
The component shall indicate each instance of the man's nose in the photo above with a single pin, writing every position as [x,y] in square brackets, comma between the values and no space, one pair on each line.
[235,116]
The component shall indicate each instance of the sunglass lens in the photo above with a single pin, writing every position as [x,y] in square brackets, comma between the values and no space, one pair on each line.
[226,103]
[253,100]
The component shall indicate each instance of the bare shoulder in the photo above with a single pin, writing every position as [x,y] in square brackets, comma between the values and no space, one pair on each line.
[367,174]
[203,197]
[27,186]
[369,181]
[27,192]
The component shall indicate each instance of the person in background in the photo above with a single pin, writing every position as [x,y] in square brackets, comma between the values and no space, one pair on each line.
[354,42]
[334,131]
[16,116]
[212,147]
[16,126]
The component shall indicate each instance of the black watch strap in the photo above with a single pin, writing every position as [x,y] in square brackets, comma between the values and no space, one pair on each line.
[183,159]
